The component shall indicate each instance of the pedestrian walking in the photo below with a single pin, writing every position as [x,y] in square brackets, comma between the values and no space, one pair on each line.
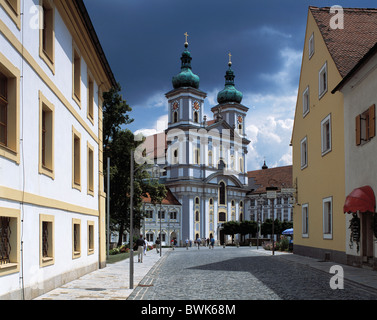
[145,246]
[187,243]
[140,248]
[212,242]
[198,242]
[157,244]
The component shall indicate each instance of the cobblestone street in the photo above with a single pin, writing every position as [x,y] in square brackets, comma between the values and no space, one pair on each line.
[239,274]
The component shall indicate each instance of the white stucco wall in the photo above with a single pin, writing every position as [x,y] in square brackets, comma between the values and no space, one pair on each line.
[360,161]
[25,176]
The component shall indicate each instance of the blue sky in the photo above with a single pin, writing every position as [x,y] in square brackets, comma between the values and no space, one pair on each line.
[143,41]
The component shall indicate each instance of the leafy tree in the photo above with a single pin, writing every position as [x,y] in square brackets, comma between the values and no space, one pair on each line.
[231,228]
[248,227]
[118,144]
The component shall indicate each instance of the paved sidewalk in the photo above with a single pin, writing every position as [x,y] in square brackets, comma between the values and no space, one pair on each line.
[109,283]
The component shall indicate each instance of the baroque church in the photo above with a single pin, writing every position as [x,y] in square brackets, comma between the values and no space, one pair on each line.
[204,161]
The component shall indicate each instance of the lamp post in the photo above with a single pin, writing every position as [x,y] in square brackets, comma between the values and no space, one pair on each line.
[131,281]
[108,206]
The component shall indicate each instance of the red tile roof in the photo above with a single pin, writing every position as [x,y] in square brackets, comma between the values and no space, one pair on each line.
[170,199]
[347,46]
[280,177]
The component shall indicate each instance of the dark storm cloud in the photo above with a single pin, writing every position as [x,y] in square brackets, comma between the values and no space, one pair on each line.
[143,40]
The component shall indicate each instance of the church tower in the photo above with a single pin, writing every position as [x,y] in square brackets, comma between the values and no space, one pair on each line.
[185,101]
[229,105]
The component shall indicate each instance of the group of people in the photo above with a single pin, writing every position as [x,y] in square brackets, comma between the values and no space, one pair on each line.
[206,242]
[141,246]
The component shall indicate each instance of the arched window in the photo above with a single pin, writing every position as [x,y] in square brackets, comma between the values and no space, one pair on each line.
[210,160]
[197,156]
[196,117]
[241,164]
[211,201]
[222,192]
[175,156]
[175,117]
[240,128]
[197,201]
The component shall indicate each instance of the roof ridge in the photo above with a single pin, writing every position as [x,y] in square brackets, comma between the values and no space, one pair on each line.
[347,8]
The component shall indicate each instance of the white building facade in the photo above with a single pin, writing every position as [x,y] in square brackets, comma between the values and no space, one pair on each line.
[52,204]
[359,90]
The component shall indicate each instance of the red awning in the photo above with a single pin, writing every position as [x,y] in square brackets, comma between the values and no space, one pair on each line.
[361,199]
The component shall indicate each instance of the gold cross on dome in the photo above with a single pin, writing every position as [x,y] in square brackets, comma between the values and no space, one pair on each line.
[230,57]
[186,35]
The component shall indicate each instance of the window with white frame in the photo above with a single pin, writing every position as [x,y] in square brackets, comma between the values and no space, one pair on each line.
[148,214]
[327,217]
[311,45]
[149,237]
[304,153]
[322,81]
[305,220]
[305,102]
[326,134]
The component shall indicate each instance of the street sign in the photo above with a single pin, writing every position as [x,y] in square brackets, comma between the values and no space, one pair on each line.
[288,190]
[271,194]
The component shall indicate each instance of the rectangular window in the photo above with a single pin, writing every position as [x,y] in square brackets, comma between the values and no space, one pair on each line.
[173,215]
[305,220]
[46,240]
[322,81]
[12,8]
[326,134]
[90,237]
[47,33]
[365,126]
[76,159]
[10,243]
[3,109]
[305,102]
[90,164]
[161,215]
[327,218]
[304,153]
[76,238]
[149,237]
[76,82]
[311,45]
[9,110]
[46,136]
[149,214]
[90,94]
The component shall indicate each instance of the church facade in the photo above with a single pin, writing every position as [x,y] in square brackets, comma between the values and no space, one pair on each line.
[204,160]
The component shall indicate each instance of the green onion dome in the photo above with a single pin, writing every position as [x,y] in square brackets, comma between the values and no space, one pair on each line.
[186,78]
[229,93]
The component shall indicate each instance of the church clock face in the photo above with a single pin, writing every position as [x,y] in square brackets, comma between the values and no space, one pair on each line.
[175,105]
[239,119]
[196,106]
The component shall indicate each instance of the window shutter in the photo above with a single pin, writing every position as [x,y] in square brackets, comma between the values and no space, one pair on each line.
[372,130]
[358,131]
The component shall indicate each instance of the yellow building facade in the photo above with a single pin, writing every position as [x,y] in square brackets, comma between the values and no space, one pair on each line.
[318,152]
